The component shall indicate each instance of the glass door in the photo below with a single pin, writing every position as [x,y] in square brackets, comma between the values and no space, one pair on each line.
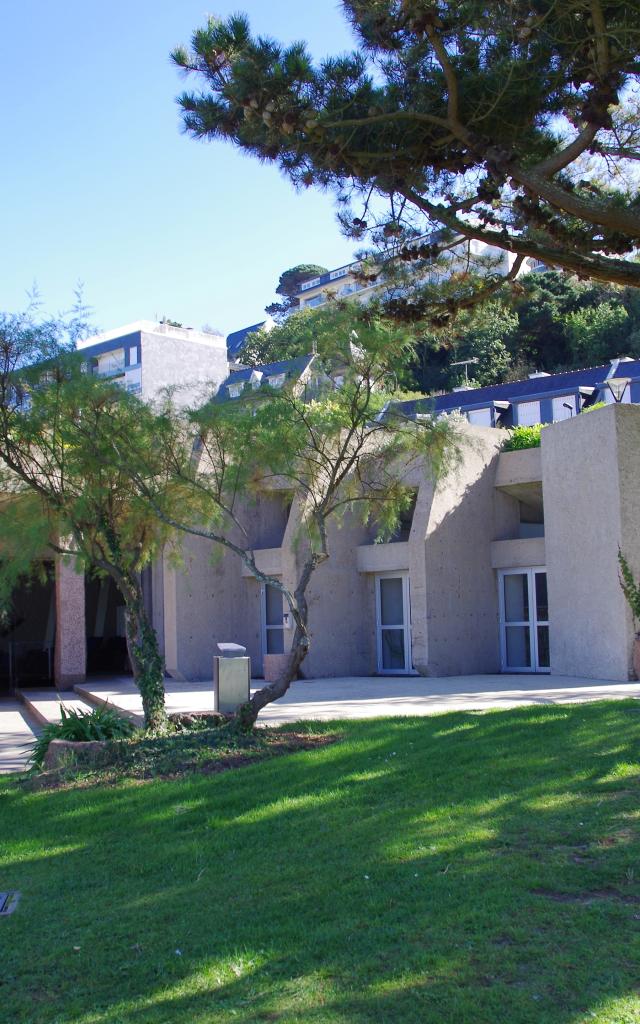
[524,620]
[393,624]
[272,620]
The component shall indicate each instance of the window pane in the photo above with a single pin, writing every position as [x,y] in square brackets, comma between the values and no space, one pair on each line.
[391,602]
[560,410]
[480,418]
[528,413]
[543,646]
[516,597]
[275,641]
[273,603]
[393,649]
[518,647]
[542,604]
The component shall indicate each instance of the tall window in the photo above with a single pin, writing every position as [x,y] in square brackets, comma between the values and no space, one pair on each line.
[272,620]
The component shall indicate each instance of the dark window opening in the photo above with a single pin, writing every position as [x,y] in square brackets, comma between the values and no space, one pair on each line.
[531,520]
[27,632]
[270,514]
[403,526]
[105,625]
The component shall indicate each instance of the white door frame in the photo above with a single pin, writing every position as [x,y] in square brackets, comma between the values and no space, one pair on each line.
[405,626]
[264,628]
[532,622]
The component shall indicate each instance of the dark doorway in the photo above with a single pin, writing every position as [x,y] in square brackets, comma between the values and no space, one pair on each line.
[27,634]
[105,624]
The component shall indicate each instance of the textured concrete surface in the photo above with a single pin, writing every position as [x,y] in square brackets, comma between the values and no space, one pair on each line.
[591,485]
[16,737]
[44,705]
[70,649]
[320,699]
[370,697]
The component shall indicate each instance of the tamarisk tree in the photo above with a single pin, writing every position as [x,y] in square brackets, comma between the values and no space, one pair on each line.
[514,124]
[66,483]
[330,439]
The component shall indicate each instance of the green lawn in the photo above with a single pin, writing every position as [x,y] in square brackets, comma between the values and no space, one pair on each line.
[453,869]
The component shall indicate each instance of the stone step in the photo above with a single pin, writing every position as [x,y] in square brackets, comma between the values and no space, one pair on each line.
[17,735]
[123,698]
[44,705]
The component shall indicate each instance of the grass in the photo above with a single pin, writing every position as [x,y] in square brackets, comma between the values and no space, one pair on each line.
[204,749]
[458,869]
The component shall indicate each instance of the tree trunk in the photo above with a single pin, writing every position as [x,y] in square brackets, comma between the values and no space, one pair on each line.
[248,713]
[146,661]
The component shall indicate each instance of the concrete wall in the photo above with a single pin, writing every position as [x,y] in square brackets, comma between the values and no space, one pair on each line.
[207,601]
[195,362]
[463,529]
[448,555]
[342,608]
[455,620]
[378,558]
[519,467]
[591,487]
[519,553]
[267,517]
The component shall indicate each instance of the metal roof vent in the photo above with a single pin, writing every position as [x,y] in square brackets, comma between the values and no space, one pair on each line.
[539,373]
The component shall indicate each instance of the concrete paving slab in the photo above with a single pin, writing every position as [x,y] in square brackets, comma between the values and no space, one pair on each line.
[44,705]
[16,737]
[370,697]
[319,699]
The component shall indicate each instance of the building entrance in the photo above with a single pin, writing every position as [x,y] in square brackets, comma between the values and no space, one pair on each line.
[524,620]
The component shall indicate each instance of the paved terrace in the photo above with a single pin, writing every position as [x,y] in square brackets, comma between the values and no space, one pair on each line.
[370,697]
[17,735]
[321,699]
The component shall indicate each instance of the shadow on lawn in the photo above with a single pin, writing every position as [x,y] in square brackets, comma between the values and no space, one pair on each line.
[456,868]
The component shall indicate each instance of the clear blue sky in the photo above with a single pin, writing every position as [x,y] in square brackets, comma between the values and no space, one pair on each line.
[97,183]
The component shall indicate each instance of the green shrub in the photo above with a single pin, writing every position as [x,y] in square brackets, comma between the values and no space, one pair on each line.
[630,588]
[81,726]
[529,437]
[523,437]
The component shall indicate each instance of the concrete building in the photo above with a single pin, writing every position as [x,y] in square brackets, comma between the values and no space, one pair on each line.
[509,563]
[360,283]
[62,624]
[356,281]
[148,357]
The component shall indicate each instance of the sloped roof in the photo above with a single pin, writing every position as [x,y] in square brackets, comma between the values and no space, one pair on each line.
[291,368]
[531,389]
[236,340]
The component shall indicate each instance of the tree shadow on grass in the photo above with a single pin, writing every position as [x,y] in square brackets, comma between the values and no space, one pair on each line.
[456,868]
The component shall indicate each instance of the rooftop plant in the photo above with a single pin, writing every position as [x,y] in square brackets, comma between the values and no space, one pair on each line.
[523,437]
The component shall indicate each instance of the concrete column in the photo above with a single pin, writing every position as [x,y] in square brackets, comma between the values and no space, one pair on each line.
[461,596]
[71,642]
[591,492]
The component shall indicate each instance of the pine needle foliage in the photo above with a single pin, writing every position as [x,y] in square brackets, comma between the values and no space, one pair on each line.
[514,124]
